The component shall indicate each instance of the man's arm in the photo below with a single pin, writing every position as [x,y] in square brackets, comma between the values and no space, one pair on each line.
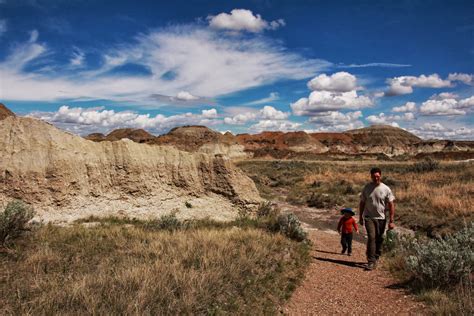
[391,209]
[361,212]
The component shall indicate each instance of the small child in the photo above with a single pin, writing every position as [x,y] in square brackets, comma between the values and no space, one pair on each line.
[345,227]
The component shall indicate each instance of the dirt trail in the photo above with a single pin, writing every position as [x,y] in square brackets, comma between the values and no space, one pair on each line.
[338,284]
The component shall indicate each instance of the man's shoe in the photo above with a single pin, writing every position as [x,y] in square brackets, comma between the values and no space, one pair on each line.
[349,254]
[371,266]
[343,252]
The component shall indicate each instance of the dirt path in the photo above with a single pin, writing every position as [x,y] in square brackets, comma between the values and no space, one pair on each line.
[338,284]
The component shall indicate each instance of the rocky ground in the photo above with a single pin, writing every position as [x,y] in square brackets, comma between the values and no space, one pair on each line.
[338,284]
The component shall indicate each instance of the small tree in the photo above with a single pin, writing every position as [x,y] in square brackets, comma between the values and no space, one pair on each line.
[14,219]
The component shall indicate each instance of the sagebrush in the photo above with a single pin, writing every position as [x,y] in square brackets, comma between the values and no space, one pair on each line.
[14,219]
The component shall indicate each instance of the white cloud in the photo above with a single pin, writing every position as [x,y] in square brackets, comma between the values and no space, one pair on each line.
[466,103]
[210,114]
[88,120]
[439,131]
[270,113]
[441,107]
[381,119]
[266,113]
[242,20]
[273,96]
[408,107]
[444,95]
[404,84]
[201,60]
[185,96]
[338,82]
[274,125]
[387,65]
[77,58]
[323,101]
[465,78]
[333,118]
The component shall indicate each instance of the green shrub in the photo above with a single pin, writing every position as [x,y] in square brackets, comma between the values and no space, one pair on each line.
[426,165]
[443,262]
[290,226]
[14,219]
[165,222]
[322,200]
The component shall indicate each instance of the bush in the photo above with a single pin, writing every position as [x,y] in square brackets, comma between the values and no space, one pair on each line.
[322,200]
[14,219]
[166,222]
[290,226]
[426,165]
[443,262]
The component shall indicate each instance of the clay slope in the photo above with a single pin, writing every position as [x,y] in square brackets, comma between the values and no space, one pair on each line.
[280,144]
[5,112]
[67,177]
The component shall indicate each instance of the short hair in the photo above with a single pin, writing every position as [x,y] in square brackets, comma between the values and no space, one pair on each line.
[375,170]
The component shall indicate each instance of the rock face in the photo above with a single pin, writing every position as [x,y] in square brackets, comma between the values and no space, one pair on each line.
[5,112]
[67,177]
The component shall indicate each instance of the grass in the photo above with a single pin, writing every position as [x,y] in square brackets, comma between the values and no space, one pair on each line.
[134,267]
[434,201]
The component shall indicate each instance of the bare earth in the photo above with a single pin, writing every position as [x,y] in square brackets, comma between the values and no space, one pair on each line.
[338,284]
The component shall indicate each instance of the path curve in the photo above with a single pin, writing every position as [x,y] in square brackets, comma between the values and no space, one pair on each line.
[338,284]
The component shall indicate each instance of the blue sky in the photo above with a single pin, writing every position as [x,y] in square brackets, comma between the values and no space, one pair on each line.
[244,66]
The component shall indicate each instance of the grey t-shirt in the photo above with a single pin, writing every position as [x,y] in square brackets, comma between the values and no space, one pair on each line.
[376,199]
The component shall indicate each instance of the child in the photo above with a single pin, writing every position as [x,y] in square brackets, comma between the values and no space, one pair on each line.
[345,227]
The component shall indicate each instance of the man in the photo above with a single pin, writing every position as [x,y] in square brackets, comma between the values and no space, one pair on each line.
[376,197]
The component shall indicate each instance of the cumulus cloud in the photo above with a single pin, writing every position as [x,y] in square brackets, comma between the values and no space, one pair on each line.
[334,118]
[266,113]
[274,125]
[88,120]
[243,20]
[200,60]
[404,84]
[408,107]
[323,101]
[444,95]
[447,106]
[439,131]
[465,78]
[186,96]
[338,82]
[381,118]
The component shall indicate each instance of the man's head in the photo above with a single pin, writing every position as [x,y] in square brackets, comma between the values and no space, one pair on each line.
[376,175]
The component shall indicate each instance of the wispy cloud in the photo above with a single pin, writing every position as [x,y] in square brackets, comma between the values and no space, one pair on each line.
[202,61]
[3,26]
[383,65]
[273,96]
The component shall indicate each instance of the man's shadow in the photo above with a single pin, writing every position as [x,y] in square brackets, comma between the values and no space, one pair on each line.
[353,264]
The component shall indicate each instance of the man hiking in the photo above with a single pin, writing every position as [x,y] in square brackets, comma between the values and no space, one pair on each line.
[376,197]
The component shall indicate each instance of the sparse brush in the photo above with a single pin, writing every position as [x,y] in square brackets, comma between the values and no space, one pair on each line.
[290,226]
[443,262]
[426,165]
[14,219]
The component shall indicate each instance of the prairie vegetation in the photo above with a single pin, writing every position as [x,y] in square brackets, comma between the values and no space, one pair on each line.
[431,197]
[121,266]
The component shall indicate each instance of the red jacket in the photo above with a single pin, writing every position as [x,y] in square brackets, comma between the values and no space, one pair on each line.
[347,224]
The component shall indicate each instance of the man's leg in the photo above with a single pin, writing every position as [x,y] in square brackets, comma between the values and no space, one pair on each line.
[381,223]
[370,226]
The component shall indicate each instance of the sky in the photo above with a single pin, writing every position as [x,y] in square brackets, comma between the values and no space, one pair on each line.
[91,66]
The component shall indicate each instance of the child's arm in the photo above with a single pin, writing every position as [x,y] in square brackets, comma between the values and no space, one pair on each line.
[339,225]
[355,226]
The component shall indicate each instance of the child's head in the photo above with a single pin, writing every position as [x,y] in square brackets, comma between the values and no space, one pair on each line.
[347,212]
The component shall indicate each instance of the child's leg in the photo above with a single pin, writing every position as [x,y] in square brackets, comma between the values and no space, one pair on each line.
[349,243]
[343,243]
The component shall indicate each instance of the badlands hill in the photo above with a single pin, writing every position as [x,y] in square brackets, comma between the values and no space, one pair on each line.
[66,177]
[372,141]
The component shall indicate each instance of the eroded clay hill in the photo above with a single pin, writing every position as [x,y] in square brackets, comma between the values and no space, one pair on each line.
[68,177]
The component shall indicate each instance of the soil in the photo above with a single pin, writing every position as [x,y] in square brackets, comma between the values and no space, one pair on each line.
[337,283]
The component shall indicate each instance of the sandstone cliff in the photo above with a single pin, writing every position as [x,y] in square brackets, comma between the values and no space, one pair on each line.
[67,177]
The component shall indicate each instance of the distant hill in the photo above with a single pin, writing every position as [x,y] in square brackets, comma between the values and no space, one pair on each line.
[382,135]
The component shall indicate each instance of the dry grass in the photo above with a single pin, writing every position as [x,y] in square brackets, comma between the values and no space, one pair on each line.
[433,202]
[127,269]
